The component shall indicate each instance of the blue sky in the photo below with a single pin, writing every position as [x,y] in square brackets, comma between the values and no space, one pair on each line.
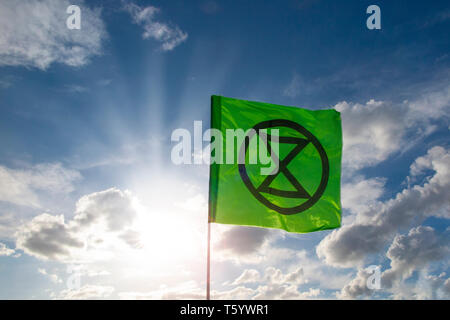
[86,180]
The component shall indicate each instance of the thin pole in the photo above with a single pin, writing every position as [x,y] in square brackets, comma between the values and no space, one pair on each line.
[208,267]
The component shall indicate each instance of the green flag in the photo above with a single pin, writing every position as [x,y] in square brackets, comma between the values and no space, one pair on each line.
[274,166]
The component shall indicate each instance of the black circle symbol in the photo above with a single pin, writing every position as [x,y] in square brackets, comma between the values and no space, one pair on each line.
[282,167]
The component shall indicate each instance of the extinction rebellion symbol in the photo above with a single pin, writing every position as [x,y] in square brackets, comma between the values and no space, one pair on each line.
[300,143]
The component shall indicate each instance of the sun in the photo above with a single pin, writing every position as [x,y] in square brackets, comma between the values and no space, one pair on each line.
[172,233]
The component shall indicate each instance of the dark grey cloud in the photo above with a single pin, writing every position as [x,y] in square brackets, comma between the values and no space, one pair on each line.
[47,237]
[243,240]
[113,206]
[50,237]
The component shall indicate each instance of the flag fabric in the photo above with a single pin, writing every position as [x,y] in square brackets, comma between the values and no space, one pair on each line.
[294,183]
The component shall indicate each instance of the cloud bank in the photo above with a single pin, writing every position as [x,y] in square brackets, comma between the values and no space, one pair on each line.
[34,34]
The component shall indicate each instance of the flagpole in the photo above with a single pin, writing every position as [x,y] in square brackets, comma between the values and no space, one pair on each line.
[210,219]
[208,264]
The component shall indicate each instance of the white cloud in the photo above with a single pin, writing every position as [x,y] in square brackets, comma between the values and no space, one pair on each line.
[360,194]
[313,271]
[19,186]
[375,130]
[132,238]
[169,35]
[278,285]
[430,287]
[188,291]
[123,238]
[274,285]
[248,276]
[34,34]
[185,290]
[350,244]
[276,276]
[413,251]
[53,277]
[195,203]
[371,132]
[86,292]
[431,105]
[5,251]
[426,286]
[357,287]
[431,160]
[8,225]
[284,292]
[447,286]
